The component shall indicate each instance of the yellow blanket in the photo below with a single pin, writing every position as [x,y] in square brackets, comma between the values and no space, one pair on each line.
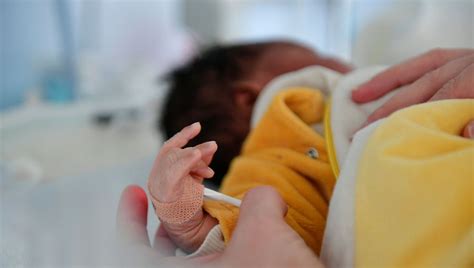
[415,190]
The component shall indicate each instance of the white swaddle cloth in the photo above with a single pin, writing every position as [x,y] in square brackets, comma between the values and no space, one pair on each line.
[346,116]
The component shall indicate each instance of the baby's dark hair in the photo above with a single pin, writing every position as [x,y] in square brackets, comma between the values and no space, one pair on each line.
[201,91]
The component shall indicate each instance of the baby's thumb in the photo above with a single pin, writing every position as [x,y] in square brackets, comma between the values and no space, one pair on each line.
[263,201]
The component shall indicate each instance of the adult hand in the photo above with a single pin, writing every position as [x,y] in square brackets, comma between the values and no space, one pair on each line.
[468,131]
[438,74]
[261,237]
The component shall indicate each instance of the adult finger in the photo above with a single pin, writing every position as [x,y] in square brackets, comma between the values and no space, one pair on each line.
[262,202]
[423,89]
[404,73]
[181,138]
[468,131]
[261,214]
[132,216]
[261,228]
[460,87]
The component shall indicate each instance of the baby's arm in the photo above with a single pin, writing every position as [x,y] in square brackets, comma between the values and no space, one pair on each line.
[175,186]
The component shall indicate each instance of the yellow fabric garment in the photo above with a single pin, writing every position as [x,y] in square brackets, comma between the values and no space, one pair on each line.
[275,154]
[415,190]
[330,140]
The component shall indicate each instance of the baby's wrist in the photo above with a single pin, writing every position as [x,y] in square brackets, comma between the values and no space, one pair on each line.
[185,208]
[184,219]
[165,192]
[190,236]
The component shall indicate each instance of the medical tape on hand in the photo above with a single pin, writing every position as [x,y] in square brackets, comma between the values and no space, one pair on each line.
[183,209]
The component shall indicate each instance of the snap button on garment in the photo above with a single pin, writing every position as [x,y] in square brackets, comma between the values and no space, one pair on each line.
[313,153]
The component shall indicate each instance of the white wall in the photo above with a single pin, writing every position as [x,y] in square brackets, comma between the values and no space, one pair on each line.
[366,32]
[387,33]
[306,21]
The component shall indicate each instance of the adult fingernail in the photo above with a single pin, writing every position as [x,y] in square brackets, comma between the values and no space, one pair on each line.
[364,125]
[470,131]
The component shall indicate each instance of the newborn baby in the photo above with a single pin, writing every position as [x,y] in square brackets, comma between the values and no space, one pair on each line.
[282,151]
[218,88]
[286,150]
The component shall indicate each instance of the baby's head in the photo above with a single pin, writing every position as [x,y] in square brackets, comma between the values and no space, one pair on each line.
[218,88]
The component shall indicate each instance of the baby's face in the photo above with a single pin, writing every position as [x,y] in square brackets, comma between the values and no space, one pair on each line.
[278,59]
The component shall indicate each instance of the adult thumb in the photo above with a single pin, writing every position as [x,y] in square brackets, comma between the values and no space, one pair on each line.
[262,202]
[132,216]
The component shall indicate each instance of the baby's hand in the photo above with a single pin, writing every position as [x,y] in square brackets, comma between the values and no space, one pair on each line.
[175,185]
[174,165]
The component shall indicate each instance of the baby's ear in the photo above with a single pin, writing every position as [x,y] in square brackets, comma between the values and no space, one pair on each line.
[245,94]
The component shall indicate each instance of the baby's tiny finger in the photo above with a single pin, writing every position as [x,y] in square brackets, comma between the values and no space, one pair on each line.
[183,161]
[207,150]
[204,172]
[181,138]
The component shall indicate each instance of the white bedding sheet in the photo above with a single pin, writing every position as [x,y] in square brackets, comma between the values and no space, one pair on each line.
[66,222]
